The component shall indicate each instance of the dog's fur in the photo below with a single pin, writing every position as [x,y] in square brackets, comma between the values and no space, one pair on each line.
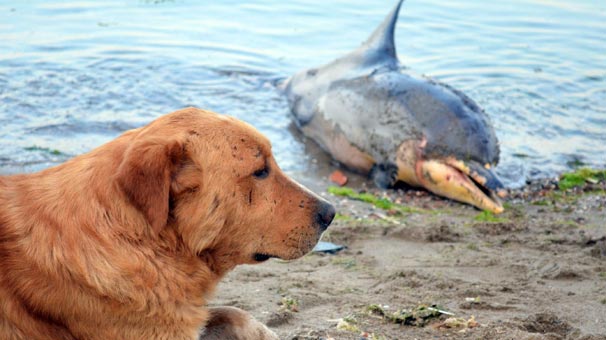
[129,240]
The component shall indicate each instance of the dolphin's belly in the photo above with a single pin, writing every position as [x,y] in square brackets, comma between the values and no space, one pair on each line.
[332,140]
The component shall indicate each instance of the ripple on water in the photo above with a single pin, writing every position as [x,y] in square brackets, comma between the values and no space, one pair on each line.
[76,74]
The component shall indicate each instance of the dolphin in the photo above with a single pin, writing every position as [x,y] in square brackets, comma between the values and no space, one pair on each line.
[374,118]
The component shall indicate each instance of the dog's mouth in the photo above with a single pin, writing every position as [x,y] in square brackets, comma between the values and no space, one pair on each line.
[261,257]
[289,252]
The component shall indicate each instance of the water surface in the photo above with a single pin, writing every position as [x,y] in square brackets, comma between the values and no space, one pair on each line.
[75,74]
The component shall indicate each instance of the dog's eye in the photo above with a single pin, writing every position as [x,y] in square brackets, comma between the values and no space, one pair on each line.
[261,173]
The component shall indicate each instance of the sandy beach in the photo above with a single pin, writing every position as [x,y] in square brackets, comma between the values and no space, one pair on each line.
[441,269]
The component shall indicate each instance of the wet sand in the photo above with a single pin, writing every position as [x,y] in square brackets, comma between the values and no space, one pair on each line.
[537,272]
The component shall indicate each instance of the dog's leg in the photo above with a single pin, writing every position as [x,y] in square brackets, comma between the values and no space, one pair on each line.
[230,323]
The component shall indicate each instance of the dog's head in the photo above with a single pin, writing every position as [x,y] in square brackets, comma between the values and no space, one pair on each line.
[212,180]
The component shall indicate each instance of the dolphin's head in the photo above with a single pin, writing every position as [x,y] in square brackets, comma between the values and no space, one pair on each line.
[459,149]
[456,162]
[450,174]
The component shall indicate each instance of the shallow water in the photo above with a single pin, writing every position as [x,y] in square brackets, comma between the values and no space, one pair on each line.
[74,74]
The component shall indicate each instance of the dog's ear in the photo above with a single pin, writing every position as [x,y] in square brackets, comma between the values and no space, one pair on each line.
[145,176]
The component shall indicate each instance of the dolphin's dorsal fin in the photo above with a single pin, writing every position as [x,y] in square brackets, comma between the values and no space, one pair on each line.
[381,42]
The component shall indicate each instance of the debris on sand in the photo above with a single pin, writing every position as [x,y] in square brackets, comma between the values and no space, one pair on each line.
[370,336]
[338,177]
[580,177]
[349,325]
[420,315]
[380,202]
[488,216]
[327,247]
[383,203]
[289,303]
[457,323]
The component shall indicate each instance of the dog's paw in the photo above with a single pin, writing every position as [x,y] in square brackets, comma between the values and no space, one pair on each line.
[230,323]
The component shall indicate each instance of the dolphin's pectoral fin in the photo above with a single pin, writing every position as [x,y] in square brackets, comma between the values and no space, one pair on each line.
[384,175]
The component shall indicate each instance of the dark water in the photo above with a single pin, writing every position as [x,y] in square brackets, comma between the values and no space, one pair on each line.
[74,74]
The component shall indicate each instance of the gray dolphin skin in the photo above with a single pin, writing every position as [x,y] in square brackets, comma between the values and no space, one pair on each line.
[375,119]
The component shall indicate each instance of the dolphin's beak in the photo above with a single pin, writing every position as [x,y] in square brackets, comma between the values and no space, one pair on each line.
[470,183]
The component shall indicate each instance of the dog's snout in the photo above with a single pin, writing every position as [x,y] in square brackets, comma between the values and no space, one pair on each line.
[326,213]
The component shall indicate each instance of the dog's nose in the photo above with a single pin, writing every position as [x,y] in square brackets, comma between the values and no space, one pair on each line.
[326,212]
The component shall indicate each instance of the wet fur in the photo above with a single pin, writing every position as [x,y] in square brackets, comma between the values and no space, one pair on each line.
[129,240]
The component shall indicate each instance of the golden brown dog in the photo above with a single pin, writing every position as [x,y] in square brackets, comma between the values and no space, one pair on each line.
[129,240]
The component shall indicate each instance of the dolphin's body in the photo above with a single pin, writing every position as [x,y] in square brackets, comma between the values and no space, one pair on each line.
[375,119]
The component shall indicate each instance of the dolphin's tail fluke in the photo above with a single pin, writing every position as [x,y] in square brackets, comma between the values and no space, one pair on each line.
[381,40]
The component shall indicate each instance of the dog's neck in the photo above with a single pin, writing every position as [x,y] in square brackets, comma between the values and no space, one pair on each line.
[94,271]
